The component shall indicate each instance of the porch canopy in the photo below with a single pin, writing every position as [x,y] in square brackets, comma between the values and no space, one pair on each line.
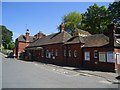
[34,48]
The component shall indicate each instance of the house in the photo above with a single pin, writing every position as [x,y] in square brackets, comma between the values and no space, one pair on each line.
[117,53]
[23,41]
[94,51]
[97,51]
[49,48]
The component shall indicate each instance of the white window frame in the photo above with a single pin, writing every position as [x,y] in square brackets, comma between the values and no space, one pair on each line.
[42,54]
[56,52]
[109,57]
[69,53]
[47,53]
[64,53]
[103,55]
[75,53]
[87,56]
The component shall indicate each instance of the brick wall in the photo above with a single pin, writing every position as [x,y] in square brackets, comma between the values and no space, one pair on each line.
[74,61]
[51,48]
[20,48]
[22,45]
[55,59]
[95,63]
[117,66]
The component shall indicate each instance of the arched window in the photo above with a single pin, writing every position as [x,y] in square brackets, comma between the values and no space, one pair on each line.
[69,53]
[75,53]
[47,54]
[65,53]
[56,52]
[52,54]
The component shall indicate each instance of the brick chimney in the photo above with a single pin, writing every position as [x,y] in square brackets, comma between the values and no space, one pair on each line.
[39,34]
[62,27]
[27,35]
[111,31]
[36,36]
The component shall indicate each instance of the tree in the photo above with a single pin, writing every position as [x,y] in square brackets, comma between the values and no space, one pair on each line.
[114,14]
[71,20]
[11,45]
[6,36]
[95,20]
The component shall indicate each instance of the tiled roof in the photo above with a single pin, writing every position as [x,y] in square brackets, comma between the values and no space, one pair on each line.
[23,38]
[75,39]
[96,40]
[60,37]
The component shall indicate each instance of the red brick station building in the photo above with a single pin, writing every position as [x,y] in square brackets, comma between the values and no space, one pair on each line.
[98,52]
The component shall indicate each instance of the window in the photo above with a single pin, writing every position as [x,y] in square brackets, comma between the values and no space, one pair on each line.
[95,54]
[110,57]
[65,53]
[87,56]
[56,52]
[69,53]
[102,57]
[47,54]
[42,53]
[75,53]
[52,53]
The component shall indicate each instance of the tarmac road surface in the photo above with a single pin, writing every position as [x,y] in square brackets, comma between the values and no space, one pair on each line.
[22,74]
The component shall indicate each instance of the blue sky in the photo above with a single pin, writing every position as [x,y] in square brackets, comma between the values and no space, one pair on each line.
[39,16]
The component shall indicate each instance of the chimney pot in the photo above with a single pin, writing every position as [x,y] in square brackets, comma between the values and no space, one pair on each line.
[62,27]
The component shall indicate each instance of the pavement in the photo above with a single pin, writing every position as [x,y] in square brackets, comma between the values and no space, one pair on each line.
[109,76]
[3,54]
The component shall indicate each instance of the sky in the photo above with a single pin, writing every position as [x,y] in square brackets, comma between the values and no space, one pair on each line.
[39,16]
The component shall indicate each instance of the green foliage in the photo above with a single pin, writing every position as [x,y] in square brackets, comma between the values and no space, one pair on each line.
[6,36]
[95,20]
[11,45]
[114,14]
[71,20]
[2,47]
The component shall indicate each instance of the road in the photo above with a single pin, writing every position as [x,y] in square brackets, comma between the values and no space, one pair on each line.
[22,74]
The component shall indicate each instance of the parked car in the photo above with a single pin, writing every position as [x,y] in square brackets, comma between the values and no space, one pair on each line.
[118,77]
